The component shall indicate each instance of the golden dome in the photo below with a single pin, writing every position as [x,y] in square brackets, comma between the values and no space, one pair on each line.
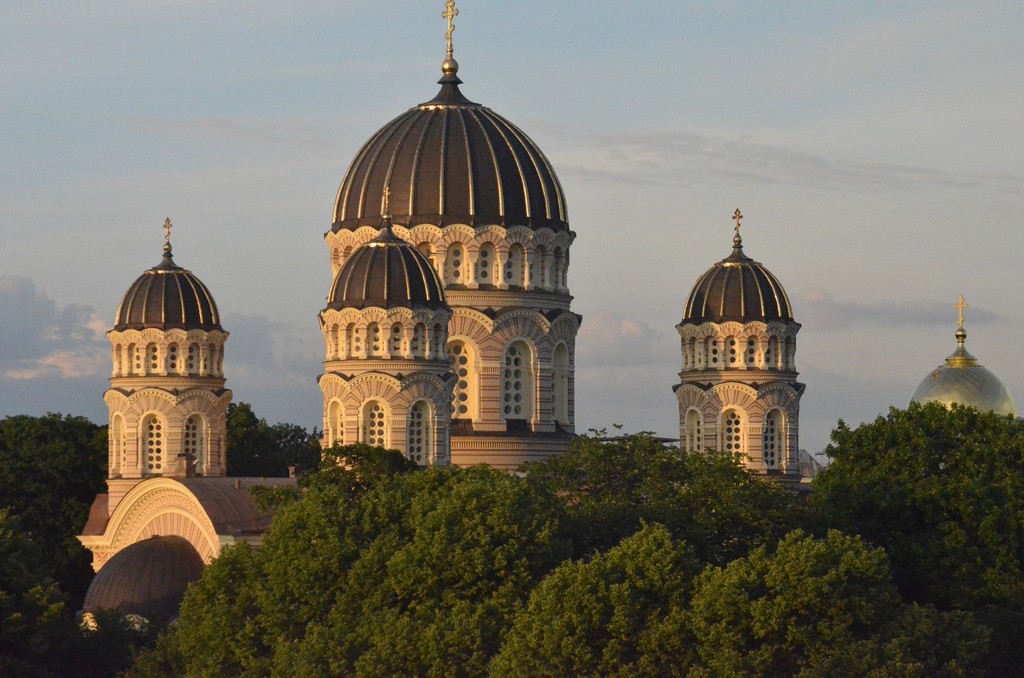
[963,381]
[451,161]
[737,288]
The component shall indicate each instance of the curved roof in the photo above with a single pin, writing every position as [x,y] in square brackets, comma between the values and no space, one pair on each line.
[737,288]
[963,381]
[447,161]
[148,579]
[167,296]
[387,272]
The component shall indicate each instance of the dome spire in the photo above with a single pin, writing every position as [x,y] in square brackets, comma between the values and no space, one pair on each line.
[167,235]
[737,240]
[960,357]
[450,12]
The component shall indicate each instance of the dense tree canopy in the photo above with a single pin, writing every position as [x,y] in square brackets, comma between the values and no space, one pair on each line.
[260,450]
[709,500]
[51,469]
[942,490]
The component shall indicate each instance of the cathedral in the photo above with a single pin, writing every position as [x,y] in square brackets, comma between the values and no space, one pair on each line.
[448,336]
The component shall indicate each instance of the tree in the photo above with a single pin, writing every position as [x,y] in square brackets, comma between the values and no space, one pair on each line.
[709,500]
[942,490]
[373,574]
[606,616]
[33,620]
[260,450]
[823,608]
[51,469]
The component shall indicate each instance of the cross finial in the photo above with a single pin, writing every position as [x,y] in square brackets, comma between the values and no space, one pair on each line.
[737,217]
[449,13]
[960,306]
[167,234]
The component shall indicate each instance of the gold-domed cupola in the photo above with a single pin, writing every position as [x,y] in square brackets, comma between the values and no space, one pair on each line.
[452,161]
[963,381]
[387,272]
[738,289]
[167,296]
[738,391]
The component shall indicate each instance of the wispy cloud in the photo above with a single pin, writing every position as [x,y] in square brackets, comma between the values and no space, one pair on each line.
[693,159]
[287,132]
[818,309]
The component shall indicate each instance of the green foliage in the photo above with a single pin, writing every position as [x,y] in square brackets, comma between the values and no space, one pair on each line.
[33,622]
[709,500]
[51,469]
[942,490]
[822,608]
[606,616]
[411,573]
[260,450]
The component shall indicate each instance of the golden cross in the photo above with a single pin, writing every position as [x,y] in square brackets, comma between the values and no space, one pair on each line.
[167,230]
[449,13]
[960,306]
[737,216]
[386,200]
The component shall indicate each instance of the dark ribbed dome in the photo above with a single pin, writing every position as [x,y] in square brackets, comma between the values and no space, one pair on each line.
[148,578]
[737,288]
[387,272]
[450,161]
[167,297]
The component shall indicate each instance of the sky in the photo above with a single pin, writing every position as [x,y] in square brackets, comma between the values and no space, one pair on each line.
[876,150]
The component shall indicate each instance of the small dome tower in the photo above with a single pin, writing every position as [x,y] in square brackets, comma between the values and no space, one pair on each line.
[738,390]
[963,381]
[167,399]
[387,376]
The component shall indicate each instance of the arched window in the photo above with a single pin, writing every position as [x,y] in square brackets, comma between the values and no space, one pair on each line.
[485,264]
[453,265]
[418,343]
[335,425]
[374,341]
[713,356]
[338,339]
[116,444]
[375,430]
[193,444]
[517,382]
[464,395]
[419,443]
[152,359]
[732,350]
[345,255]
[750,355]
[772,447]
[219,353]
[693,432]
[560,397]
[395,344]
[515,267]
[440,338]
[559,269]
[153,444]
[352,340]
[732,433]
[771,353]
[544,263]
[173,359]
[192,360]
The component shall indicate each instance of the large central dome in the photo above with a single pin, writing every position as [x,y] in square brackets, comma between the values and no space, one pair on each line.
[451,161]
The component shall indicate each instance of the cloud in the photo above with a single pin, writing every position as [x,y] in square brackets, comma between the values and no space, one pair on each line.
[818,309]
[38,339]
[286,132]
[687,158]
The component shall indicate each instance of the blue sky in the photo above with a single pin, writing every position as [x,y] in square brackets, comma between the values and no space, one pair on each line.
[876,149]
